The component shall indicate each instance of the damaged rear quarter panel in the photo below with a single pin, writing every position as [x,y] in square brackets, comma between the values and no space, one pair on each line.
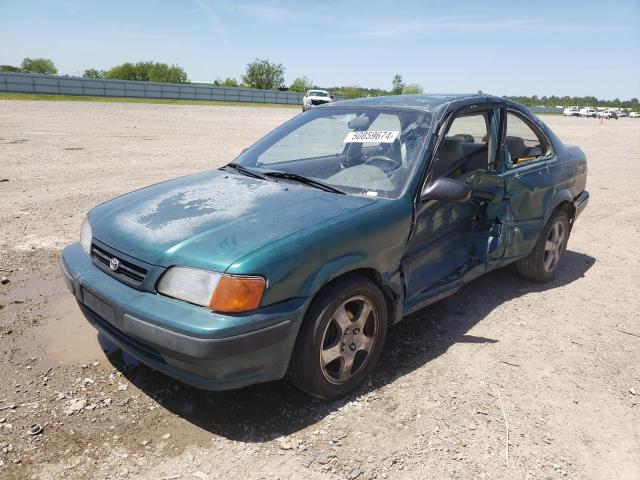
[534,192]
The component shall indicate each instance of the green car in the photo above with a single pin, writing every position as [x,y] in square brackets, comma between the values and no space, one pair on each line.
[296,258]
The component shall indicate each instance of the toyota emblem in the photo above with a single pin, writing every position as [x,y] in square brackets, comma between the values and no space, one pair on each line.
[114,264]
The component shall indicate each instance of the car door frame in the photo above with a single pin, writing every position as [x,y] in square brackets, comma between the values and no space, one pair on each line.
[416,298]
[532,188]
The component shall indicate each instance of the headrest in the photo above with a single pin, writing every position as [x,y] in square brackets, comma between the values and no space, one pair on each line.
[515,144]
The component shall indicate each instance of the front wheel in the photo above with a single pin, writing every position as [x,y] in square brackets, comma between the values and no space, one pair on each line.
[542,263]
[341,338]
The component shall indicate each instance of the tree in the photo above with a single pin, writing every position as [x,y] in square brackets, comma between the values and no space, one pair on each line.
[148,72]
[127,71]
[9,68]
[412,88]
[227,82]
[161,72]
[356,91]
[398,84]
[263,74]
[301,84]
[93,73]
[43,66]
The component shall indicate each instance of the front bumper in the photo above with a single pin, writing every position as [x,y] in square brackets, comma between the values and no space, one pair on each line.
[315,103]
[187,342]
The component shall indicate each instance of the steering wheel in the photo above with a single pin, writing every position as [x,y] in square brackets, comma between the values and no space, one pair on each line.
[395,164]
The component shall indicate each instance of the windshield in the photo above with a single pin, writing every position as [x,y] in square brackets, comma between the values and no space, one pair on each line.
[358,150]
[316,93]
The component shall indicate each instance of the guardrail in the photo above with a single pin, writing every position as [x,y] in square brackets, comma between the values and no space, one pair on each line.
[546,109]
[57,85]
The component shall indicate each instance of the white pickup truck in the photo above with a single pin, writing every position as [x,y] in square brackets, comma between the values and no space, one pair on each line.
[314,98]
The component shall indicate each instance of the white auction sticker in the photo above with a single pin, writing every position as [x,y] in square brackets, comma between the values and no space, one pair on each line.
[381,136]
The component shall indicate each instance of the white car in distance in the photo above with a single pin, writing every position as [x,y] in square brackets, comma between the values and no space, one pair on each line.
[571,112]
[314,98]
[608,114]
[589,112]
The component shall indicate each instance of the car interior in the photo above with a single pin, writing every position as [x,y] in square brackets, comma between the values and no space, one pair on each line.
[375,166]
[524,142]
[318,149]
[465,146]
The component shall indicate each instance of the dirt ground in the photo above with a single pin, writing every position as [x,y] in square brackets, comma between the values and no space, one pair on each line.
[554,365]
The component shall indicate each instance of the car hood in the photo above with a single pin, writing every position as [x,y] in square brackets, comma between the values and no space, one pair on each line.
[212,219]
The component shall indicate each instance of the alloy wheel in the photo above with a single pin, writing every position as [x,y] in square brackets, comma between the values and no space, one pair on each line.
[349,339]
[554,245]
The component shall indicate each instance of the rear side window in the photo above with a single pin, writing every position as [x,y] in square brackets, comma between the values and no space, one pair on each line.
[524,142]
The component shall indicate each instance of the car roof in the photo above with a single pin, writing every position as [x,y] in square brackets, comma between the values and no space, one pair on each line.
[421,101]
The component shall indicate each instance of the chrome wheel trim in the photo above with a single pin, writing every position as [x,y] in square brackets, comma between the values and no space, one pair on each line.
[348,339]
[553,246]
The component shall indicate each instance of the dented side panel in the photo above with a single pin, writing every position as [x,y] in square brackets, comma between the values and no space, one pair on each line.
[534,191]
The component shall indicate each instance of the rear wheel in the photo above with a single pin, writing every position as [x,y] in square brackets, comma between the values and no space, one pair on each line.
[341,338]
[542,263]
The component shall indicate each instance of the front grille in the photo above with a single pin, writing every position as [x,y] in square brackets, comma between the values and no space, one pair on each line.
[125,271]
[319,102]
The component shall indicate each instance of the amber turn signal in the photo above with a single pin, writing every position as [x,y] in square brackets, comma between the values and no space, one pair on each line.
[235,294]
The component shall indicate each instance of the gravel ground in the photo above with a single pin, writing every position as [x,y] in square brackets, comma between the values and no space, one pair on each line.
[551,370]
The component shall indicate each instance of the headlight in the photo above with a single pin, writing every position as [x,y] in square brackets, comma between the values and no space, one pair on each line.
[86,236]
[220,292]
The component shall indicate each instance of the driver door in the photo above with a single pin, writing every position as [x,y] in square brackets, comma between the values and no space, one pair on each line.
[452,241]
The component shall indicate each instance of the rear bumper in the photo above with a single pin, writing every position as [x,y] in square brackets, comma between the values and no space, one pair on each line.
[579,204]
[221,352]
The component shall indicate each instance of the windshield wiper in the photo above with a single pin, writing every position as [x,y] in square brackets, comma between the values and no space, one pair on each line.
[244,170]
[305,180]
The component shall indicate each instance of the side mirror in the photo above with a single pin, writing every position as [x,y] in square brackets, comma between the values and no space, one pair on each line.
[447,190]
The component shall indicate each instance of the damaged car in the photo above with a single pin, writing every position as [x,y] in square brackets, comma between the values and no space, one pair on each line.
[297,257]
[314,98]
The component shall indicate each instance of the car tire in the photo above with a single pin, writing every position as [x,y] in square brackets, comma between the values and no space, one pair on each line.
[339,343]
[543,261]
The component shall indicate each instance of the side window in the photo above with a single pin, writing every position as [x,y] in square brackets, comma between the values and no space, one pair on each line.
[464,148]
[469,128]
[524,142]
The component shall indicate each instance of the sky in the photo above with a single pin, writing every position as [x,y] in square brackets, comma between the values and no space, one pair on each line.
[500,47]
